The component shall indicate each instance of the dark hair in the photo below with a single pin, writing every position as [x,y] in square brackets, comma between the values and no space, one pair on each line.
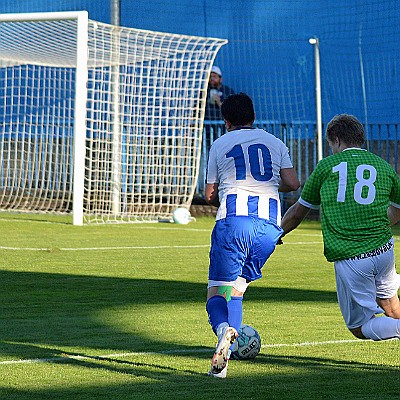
[238,109]
[347,128]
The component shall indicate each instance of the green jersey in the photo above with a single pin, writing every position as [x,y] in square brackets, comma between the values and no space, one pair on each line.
[354,189]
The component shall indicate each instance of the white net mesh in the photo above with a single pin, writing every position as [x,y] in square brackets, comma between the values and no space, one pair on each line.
[144,118]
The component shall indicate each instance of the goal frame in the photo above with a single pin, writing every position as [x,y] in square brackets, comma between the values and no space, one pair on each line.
[81,79]
[81,99]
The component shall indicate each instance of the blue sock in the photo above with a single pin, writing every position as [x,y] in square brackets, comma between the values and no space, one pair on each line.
[235,312]
[217,310]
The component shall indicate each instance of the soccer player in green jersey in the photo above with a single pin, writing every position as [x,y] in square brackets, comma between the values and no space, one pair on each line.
[359,196]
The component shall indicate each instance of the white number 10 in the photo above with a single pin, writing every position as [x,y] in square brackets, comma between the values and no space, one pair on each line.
[358,187]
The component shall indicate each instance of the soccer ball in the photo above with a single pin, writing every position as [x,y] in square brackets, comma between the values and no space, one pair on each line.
[247,345]
[181,216]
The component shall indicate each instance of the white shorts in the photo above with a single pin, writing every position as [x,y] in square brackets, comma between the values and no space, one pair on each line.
[240,284]
[362,279]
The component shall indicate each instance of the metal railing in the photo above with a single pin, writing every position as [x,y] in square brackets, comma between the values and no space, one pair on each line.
[301,139]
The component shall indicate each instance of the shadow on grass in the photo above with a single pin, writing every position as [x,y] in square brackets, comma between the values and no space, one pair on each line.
[43,313]
[288,377]
[61,310]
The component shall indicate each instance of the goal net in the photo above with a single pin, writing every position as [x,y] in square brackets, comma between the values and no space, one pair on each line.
[98,120]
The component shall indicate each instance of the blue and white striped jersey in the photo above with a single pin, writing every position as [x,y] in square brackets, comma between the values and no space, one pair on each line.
[246,164]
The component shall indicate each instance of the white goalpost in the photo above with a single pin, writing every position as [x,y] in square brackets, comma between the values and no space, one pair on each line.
[100,121]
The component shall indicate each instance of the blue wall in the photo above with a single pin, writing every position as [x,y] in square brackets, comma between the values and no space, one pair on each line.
[268,54]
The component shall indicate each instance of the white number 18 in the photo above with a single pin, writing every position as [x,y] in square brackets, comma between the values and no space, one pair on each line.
[358,187]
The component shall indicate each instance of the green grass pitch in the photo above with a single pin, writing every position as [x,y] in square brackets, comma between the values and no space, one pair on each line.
[118,312]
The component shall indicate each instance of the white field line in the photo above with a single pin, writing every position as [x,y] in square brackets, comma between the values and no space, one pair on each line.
[137,225]
[193,246]
[110,357]
[190,246]
[155,226]
[101,248]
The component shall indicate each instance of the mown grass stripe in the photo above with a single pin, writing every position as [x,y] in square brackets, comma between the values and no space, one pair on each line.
[108,357]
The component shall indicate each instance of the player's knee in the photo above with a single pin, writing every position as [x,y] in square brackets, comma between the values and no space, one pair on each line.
[391,306]
[240,286]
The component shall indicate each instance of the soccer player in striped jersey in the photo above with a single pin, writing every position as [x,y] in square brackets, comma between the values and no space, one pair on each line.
[247,167]
[359,196]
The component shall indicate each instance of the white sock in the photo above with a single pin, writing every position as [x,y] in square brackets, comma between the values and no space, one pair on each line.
[381,328]
[220,328]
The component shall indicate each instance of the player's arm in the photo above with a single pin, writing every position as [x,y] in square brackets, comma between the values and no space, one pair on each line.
[310,199]
[393,214]
[212,178]
[289,180]
[211,195]
[293,216]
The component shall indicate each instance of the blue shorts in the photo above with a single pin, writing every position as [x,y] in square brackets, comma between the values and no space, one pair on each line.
[240,246]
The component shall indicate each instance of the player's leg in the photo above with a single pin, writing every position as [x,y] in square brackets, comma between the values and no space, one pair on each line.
[224,308]
[359,283]
[235,305]
[235,311]
[234,249]
[261,242]
[237,245]
[390,306]
[218,315]
[226,261]
[261,245]
[356,293]
[219,293]
[387,284]
[381,328]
